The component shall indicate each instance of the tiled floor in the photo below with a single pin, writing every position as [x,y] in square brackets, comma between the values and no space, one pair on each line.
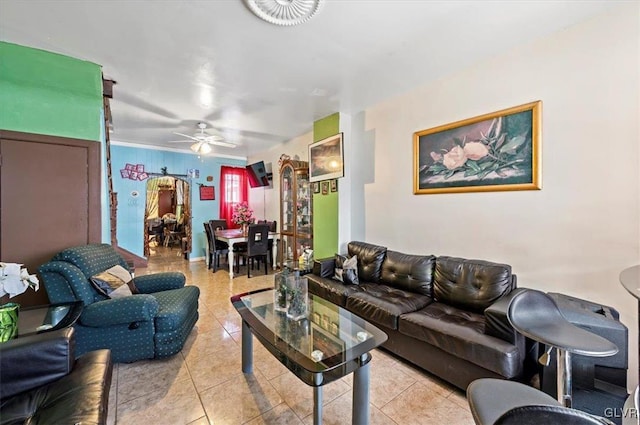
[203,384]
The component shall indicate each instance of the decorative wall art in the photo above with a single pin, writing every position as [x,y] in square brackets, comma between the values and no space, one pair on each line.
[316,187]
[207,193]
[493,152]
[325,159]
[334,185]
[134,172]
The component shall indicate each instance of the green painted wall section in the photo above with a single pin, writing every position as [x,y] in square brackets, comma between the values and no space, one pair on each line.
[325,207]
[47,93]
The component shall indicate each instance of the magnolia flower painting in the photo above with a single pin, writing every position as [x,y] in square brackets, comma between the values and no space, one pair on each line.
[497,151]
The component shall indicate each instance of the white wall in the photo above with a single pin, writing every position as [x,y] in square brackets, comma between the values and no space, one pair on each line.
[265,200]
[576,234]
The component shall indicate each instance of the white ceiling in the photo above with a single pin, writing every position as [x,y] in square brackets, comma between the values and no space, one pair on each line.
[180,62]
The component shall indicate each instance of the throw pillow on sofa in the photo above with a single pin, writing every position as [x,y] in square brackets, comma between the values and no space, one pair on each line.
[115,282]
[346,270]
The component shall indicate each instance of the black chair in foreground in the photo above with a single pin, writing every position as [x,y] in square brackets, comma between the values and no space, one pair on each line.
[44,383]
[536,315]
[257,247]
[502,402]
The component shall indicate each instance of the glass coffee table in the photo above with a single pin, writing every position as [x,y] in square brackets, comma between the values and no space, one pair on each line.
[328,344]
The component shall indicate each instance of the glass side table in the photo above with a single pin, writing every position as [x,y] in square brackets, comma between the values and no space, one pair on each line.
[39,319]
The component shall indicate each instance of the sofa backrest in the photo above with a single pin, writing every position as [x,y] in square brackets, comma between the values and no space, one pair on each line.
[412,273]
[91,259]
[470,284]
[370,258]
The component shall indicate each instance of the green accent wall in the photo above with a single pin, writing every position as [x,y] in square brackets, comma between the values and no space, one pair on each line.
[47,93]
[325,207]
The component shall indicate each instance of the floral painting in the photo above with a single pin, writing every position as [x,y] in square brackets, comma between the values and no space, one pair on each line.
[496,151]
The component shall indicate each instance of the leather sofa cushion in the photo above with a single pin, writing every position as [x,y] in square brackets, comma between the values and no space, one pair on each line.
[409,272]
[383,305]
[370,258]
[470,284]
[461,333]
[330,290]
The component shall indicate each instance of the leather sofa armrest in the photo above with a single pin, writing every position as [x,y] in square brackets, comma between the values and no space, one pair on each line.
[497,319]
[135,308]
[156,282]
[324,267]
[35,360]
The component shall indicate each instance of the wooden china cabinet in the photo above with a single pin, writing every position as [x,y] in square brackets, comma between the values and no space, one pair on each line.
[296,232]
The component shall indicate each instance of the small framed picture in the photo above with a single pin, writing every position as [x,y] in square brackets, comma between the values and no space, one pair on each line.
[316,187]
[325,187]
[334,185]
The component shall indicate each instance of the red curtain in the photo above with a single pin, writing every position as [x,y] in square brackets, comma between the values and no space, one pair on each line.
[234,188]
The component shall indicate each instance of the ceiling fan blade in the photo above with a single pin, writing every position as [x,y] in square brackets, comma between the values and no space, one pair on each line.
[188,137]
[180,141]
[223,144]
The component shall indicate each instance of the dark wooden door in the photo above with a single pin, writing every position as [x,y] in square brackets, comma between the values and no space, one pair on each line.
[49,199]
[166,202]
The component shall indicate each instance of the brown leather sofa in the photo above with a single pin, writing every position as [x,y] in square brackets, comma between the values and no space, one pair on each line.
[41,381]
[446,315]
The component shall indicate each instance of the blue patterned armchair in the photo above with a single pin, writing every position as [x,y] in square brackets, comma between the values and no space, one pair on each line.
[152,324]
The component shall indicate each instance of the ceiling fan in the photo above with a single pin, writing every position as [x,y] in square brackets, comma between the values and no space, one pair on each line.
[203,141]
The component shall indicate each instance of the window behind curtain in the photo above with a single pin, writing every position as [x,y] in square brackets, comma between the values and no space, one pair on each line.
[234,189]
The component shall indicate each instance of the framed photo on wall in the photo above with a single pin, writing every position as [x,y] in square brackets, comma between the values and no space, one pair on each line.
[316,187]
[334,185]
[325,187]
[326,159]
[497,151]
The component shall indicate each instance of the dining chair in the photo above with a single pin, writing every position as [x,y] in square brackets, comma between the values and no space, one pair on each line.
[257,247]
[273,227]
[220,248]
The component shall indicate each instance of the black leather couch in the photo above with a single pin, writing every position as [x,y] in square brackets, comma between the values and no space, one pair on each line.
[447,315]
[41,381]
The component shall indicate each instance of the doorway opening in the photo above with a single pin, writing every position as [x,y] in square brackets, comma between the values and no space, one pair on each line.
[167,216]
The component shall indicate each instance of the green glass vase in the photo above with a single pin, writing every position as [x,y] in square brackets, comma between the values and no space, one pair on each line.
[9,321]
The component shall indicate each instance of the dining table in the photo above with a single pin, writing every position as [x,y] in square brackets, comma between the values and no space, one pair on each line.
[234,236]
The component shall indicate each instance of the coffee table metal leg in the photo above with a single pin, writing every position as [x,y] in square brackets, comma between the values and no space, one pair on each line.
[247,349]
[360,407]
[317,400]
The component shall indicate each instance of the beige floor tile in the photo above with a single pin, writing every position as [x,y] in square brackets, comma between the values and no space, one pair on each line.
[208,342]
[387,381]
[417,405]
[339,412]
[209,370]
[299,396]
[177,405]
[279,415]
[201,421]
[244,398]
[143,377]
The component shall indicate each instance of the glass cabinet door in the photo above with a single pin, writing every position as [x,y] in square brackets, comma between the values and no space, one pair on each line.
[304,225]
[296,213]
[287,199]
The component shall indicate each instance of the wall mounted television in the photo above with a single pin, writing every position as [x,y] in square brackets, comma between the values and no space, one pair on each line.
[257,174]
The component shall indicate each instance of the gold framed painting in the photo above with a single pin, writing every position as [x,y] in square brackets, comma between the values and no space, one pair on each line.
[497,151]
[326,159]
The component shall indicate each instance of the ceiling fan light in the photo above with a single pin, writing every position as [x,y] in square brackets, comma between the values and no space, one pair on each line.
[196,147]
[205,148]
